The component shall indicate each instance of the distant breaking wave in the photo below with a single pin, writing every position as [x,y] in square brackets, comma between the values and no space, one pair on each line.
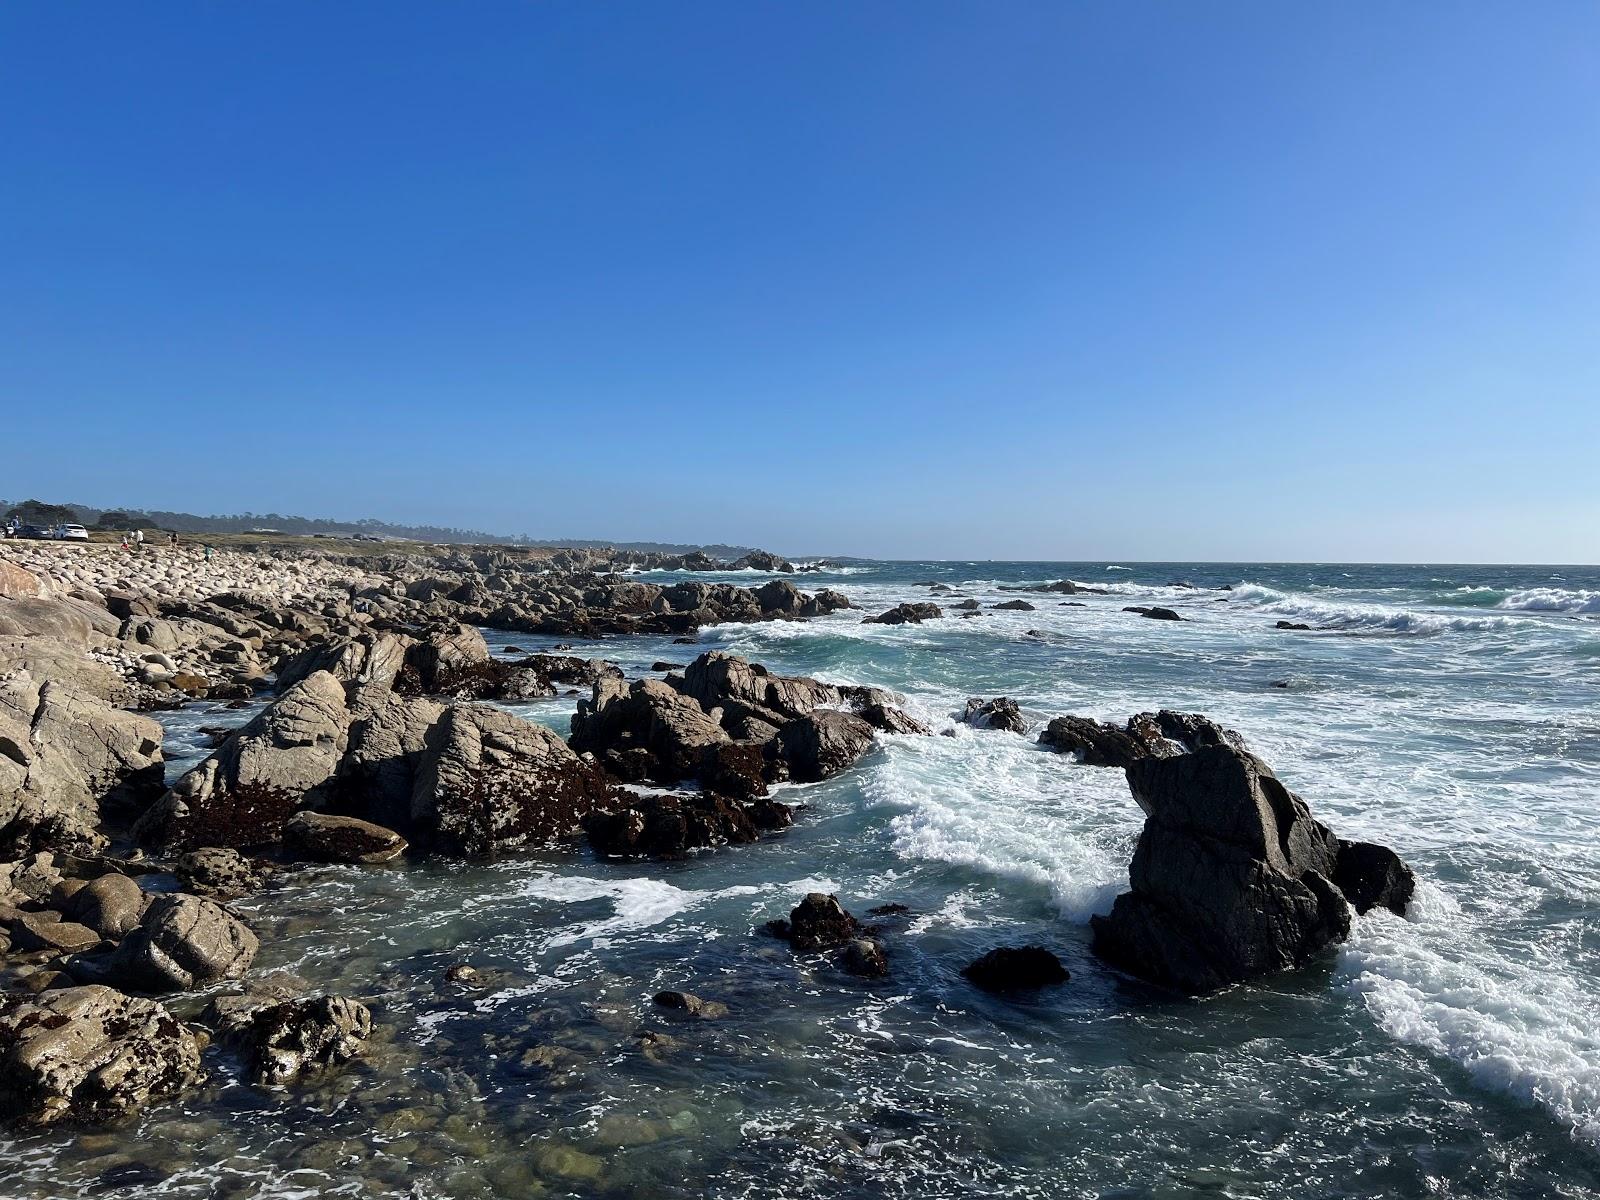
[1551,600]
[1358,617]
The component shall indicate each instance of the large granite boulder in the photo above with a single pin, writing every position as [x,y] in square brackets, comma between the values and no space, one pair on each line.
[488,779]
[821,744]
[68,759]
[446,659]
[221,873]
[370,656]
[388,735]
[89,1054]
[284,760]
[19,584]
[645,730]
[1232,878]
[110,905]
[182,942]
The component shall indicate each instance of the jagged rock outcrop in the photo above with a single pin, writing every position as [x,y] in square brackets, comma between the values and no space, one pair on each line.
[67,759]
[1000,713]
[906,614]
[487,779]
[761,560]
[371,656]
[1232,879]
[1373,876]
[821,744]
[1145,735]
[645,730]
[733,725]
[820,923]
[282,761]
[670,826]
[84,1055]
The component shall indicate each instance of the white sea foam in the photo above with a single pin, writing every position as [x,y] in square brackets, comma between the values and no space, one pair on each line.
[995,804]
[1428,983]
[1356,616]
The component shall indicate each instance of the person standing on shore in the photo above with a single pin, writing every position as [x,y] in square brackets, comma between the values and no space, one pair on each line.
[208,555]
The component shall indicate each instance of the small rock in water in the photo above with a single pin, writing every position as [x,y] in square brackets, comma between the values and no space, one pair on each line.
[818,922]
[329,838]
[1291,625]
[865,957]
[1016,968]
[691,1005]
[1155,614]
[903,614]
[1000,713]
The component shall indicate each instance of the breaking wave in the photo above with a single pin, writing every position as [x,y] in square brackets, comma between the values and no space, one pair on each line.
[1559,600]
[1358,617]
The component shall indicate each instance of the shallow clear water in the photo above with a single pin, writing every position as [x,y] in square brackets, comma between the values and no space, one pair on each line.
[1449,712]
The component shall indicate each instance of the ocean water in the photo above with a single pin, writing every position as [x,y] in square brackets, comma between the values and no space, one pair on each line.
[1449,712]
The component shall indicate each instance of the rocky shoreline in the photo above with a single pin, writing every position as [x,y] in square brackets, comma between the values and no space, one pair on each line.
[382,736]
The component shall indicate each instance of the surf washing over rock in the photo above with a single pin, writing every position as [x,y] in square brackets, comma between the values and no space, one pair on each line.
[509,873]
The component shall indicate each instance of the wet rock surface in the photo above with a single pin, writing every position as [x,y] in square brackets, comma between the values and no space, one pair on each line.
[1000,713]
[1232,879]
[89,1054]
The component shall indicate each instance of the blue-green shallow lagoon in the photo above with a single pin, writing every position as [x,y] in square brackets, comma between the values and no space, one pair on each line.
[1447,711]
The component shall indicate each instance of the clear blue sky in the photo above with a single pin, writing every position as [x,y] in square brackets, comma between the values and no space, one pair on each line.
[906,279]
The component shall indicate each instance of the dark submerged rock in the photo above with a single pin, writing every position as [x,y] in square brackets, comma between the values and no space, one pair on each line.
[1016,968]
[1154,613]
[903,614]
[690,1005]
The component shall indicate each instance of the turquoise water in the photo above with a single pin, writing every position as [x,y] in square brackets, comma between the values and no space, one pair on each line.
[1447,711]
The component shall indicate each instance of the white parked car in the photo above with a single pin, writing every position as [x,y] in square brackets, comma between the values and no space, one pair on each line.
[70,533]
